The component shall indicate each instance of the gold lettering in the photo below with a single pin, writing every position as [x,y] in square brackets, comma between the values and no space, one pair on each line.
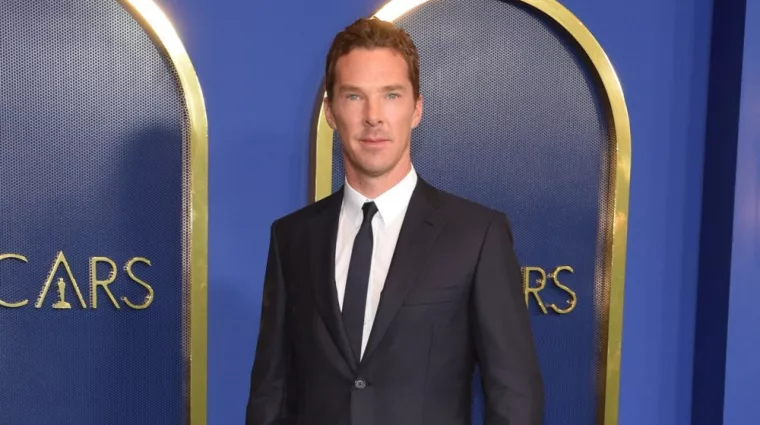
[149,296]
[60,259]
[95,282]
[534,290]
[573,298]
[20,303]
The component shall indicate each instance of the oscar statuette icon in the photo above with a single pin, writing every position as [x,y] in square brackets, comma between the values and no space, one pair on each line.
[61,304]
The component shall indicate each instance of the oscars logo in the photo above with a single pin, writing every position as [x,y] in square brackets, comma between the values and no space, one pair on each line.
[62,284]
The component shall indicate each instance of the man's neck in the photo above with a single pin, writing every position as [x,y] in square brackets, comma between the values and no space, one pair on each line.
[372,187]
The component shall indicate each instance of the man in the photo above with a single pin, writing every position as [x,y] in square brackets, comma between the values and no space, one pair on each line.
[380,299]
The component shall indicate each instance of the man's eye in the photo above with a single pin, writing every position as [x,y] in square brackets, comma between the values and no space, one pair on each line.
[352,97]
[392,95]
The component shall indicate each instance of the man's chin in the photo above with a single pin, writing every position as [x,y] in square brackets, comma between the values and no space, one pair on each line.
[373,167]
[375,172]
[378,170]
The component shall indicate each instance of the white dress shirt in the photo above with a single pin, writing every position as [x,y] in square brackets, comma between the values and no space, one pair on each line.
[386,225]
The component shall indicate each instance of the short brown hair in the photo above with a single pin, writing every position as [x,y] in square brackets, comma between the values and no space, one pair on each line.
[370,33]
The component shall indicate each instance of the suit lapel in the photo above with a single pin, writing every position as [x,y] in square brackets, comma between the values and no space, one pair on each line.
[419,232]
[323,233]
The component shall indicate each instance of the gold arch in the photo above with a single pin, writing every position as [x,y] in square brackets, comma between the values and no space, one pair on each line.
[162,32]
[321,186]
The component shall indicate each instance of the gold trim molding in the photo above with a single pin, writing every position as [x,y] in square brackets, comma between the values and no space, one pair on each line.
[161,30]
[321,186]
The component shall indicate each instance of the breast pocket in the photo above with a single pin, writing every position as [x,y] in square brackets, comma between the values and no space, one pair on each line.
[435,295]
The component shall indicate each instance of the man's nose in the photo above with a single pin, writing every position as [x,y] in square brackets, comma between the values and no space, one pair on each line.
[372,113]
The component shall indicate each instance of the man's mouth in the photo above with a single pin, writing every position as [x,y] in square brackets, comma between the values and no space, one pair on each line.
[373,140]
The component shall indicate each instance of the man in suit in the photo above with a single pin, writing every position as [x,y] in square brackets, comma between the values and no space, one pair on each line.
[380,299]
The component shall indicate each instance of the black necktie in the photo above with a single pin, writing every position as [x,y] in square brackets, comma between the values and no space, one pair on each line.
[357,281]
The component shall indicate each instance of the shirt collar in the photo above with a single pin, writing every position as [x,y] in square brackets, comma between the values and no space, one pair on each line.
[390,205]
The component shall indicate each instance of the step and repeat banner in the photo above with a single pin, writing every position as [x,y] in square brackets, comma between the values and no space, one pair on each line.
[102,217]
[524,113]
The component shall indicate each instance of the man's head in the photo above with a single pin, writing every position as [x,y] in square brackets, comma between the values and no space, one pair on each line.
[373,97]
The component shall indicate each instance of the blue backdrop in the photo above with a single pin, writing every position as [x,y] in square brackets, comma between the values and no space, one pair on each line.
[92,137]
[743,338]
[260,65]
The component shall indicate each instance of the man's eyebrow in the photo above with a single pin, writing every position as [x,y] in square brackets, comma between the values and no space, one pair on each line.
[348,87]
[351,88]
[394,87]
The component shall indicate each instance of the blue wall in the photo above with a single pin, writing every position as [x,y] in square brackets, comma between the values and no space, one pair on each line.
[717,212]
[726,373]
[260,65]
[743,339]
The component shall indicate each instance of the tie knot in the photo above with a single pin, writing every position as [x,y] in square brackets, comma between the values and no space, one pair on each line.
[370,209]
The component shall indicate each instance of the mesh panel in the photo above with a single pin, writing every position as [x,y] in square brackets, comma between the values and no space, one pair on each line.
[95,163]
[513,120]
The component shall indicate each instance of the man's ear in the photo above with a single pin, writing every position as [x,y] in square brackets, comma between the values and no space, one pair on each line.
[327,105]
[417,117]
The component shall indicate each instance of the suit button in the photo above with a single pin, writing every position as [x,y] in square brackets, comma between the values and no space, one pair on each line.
[360,384]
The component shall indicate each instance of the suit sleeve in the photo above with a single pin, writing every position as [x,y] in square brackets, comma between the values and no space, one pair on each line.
[511,378]
[271,397]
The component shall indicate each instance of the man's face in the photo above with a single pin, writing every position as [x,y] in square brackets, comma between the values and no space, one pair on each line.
[373,110]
